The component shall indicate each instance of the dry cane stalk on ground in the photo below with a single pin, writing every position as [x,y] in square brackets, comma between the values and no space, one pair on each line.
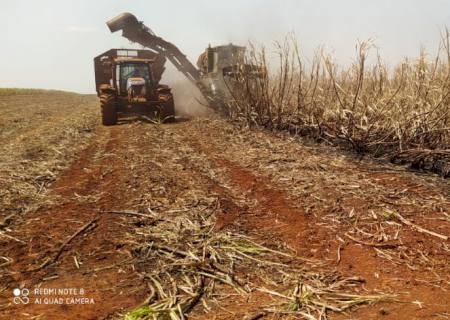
[188,263]
[191,267]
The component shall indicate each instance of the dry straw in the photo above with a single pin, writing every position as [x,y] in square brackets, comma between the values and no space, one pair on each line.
[191,268]
[401,113]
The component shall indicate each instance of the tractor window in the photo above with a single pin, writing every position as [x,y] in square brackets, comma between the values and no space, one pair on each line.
[118,77]
[131,70]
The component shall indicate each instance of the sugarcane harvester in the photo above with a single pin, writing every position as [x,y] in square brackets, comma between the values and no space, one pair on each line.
[217,66]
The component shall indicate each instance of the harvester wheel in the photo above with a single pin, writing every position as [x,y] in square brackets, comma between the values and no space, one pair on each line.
[109,112]
[168,111]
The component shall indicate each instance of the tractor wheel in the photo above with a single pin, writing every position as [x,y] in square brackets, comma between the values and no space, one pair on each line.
[168,111]
[109,112]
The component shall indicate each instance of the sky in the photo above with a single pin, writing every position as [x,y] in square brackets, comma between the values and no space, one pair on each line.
[51,43]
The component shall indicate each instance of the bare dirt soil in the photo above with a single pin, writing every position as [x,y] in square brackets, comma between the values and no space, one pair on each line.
[84,206]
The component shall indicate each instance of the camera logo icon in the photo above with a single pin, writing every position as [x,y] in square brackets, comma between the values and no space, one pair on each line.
[21,296]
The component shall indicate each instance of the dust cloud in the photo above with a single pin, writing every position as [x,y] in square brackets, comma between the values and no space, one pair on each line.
[189,101]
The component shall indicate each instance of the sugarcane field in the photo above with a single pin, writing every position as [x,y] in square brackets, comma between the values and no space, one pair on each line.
[225,160]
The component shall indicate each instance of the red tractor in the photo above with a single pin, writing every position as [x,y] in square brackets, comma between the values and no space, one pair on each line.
[127,82]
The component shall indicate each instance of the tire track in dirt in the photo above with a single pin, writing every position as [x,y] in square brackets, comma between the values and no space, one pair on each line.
[93,183]
[100,173]
[100,180]
[275,213]
[41,138]
[281,220]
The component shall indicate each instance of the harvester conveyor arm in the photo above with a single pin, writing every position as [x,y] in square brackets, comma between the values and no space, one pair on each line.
[136,31]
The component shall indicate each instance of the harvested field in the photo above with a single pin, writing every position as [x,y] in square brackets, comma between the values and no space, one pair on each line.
[40,132]
[208,219]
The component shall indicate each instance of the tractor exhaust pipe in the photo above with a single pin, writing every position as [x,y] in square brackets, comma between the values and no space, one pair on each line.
[122,21]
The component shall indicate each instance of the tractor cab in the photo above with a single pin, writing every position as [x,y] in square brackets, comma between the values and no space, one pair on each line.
[127,82]
[134,79]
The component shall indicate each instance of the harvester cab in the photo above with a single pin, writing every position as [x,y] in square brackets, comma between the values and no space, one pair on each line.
[127,82]
[220,67]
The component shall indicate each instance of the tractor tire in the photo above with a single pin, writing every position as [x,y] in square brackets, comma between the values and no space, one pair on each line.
[168,111]
[109,112]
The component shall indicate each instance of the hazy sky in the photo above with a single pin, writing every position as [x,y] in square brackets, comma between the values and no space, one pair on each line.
[51,43]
